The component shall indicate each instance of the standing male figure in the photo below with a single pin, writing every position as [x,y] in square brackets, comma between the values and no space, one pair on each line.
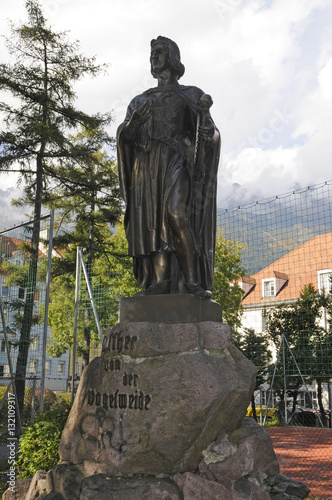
[168,153]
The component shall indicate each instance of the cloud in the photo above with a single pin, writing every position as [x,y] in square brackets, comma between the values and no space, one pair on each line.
[10,215]
[266,63]
[261,174]
[278,81]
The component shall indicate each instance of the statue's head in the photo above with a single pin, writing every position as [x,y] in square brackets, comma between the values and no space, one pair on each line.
[174,59]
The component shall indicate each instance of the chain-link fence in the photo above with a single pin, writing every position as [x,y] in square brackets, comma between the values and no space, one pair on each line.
[22,295]
[287,312]
[286,304]
[287,308]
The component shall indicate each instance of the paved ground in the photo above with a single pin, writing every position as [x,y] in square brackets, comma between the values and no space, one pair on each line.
[305,454]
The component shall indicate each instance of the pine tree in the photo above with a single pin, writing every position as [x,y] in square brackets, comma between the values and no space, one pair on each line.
[87,201]
[38,119]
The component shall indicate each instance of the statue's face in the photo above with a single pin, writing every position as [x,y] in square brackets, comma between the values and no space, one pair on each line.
[159,58]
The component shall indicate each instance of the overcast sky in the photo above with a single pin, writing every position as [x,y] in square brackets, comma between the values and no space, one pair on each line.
[266,63]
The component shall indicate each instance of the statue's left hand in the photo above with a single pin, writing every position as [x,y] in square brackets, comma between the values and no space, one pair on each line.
[206,132]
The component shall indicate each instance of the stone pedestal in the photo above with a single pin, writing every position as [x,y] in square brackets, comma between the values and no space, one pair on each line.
[161,413]
[155,399]
[177,308]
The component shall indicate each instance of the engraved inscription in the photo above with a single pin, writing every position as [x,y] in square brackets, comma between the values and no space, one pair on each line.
[112,364]
[118,342]
[121,400]
[130,379]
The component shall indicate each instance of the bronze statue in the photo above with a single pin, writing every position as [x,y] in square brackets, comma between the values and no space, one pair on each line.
[168,153]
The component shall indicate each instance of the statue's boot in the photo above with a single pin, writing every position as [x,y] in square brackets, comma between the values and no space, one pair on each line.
[160,288]
[198,290]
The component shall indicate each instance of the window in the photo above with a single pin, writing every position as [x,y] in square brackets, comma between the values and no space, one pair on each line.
[2,370]
[269,288]
[21,293]
[4,291]
[34,343]
[324,282]
[3,346]
[265,398]
[61,367]
[307,399]
[33,366]
[47,367]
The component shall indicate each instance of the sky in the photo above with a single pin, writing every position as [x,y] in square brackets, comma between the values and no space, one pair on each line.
[266,63]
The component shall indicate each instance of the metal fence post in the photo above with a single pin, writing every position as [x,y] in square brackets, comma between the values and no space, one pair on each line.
[11,373]
[77,295]
[88,284]
[47,300]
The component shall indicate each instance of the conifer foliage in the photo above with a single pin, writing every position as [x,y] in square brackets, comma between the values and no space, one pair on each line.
[38,121]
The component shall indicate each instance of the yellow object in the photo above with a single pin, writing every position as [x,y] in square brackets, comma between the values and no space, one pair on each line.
[261,409]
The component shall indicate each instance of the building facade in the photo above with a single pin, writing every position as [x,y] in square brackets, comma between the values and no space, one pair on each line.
[281,283]
[12,299]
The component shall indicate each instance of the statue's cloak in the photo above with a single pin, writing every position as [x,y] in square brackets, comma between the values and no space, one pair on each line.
[150,164]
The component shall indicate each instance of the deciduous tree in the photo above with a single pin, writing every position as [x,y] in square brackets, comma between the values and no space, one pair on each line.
[255,347]
[228,269]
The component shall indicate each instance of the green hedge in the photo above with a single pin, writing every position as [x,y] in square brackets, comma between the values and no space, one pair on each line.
[40,441]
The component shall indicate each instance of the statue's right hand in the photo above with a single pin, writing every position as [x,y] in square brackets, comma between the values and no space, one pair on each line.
[141,114]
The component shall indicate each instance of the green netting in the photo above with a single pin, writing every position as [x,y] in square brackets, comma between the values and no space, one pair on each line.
[273,227]
[287,258]
[25,325]
[287,311]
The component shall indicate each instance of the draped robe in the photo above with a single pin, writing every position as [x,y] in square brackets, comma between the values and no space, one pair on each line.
[158,155]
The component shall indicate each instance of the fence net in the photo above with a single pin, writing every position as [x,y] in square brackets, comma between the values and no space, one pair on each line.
[285,325]
[23,303]
[285,322]
[287,314]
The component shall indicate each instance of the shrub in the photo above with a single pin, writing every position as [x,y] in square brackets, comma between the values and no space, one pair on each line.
[49,401]
[64,396]
[40,442]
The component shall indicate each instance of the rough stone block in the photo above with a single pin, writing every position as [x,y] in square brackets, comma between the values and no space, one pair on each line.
[37,485]
[247,450]
[214,336]
[102,488]
[195,487]
[67,480]
[156,398]
[248,487]
[53,495]
[260,493]
[290,486]
[21,490]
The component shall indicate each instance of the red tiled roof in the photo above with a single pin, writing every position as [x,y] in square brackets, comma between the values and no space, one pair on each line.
[300,267]
[10,245]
